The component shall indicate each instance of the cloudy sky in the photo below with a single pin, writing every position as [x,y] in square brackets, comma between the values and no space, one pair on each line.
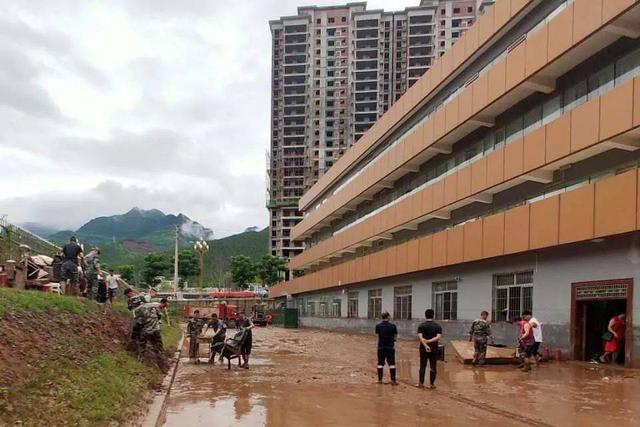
[107,105]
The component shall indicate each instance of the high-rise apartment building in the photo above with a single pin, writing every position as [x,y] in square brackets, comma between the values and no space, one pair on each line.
[335,71]
[506,179]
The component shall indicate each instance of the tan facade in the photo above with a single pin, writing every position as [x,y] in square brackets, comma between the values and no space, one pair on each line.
[569,176]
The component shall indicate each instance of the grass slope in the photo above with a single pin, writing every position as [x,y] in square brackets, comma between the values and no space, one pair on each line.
[62,361]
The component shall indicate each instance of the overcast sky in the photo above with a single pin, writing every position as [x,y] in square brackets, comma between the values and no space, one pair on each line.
[107,105]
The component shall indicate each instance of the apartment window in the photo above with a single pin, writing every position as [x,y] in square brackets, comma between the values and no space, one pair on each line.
[442,12]
[318,42]
[352,305]
[470,9]
[332,20]
[402,302]
[445,298]
[324,311]
[456,10]
[512,294]
[375,304]
[311,308]
[336,308]
[319,21]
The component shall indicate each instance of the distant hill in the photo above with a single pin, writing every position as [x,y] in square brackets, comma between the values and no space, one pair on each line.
[144,230]
[251,243]
[39,230]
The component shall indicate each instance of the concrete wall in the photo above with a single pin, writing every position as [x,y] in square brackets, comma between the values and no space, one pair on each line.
[554,271]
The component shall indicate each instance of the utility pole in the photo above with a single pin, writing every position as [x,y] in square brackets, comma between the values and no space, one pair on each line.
[175,260]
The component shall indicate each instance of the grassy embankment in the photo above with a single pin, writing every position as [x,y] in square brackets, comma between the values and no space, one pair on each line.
[77,371]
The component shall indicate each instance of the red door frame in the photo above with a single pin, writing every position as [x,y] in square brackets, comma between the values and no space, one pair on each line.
[628,342]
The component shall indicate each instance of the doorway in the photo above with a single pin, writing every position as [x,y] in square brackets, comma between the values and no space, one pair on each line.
[593,304]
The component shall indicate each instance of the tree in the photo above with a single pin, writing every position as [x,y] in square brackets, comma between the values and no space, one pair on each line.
[154,265]
[188,263]
[126,272]
[243,270]
[270,267]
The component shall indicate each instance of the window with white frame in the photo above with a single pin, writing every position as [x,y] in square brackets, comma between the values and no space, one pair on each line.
[336,308]
[402,303]
[352,305]
[311,308]
[324,310]
[445,299]
[375,304]
[512,294]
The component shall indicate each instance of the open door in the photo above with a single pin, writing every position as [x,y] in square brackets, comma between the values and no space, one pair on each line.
[593,304]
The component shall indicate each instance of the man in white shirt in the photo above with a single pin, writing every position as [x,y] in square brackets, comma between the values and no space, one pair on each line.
[537,333]
[112,286]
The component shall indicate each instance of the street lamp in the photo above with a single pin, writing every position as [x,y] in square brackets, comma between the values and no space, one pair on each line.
[201,247]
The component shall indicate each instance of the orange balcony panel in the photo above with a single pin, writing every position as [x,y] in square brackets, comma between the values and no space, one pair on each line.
[585,125]
[615,204]
[416,205]
[616,111]
[516,229]
[455,245]
[413,255]
[480,92]
[493,235]
[543,223]
[470,41]
[450,189]
[390,257]
[479,175]
[359,273]
[426,253]
[427,199]
[502,13]
[536,51]
[438,194]
[497,79]
[513,159]
[558,141]
[515,66]
[451,114]
[402,258]
[381,263]
[440,249]
[587,17]
[495,167]
[576,215]
[473,240]
[447,63]
[427,132]
[458,53]
[517,6]
[439,124]
[612,8]
[436,73]
[485,25]
[636,101]
[464,182]
[560,33]
[466,104]
[534,149]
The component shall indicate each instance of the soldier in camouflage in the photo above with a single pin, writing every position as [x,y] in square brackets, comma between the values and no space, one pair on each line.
[194,330]
[147,319]
[133,302]
[92,261]
[480,333]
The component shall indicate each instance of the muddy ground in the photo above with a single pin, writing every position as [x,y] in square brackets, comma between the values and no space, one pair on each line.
[318,378]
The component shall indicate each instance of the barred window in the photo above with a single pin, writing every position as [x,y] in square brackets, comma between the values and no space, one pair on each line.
[324,312]
[512,294]
[336,308]
[311,308]
[445,299]
[375,304]
[352,305]
[402,303]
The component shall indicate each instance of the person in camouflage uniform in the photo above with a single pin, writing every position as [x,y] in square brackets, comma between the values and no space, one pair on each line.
[194,330]
[133,302]
[92,262]
[147,319]
[480,333]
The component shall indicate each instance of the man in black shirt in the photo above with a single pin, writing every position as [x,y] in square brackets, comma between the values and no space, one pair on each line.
[71,252]
[387,333]
[429,333]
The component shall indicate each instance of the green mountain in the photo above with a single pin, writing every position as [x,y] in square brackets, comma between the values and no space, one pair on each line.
[251,243]
[139,230]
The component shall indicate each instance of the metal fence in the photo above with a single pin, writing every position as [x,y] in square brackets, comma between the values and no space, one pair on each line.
[12,236]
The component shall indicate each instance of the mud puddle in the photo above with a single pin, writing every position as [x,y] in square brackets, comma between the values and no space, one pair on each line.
[317,378]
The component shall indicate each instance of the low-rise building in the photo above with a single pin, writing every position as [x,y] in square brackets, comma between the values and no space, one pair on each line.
[505,179]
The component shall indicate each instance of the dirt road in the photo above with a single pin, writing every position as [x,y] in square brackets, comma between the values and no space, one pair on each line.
[316,378]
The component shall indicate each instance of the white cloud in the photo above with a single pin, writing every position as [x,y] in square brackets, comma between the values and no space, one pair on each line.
[150,103]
